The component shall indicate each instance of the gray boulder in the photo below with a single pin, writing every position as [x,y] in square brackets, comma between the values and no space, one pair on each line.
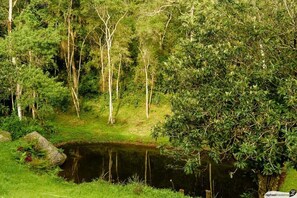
[52,154]
[5,136]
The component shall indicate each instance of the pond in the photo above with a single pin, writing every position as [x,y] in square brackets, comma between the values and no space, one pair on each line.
[124,163]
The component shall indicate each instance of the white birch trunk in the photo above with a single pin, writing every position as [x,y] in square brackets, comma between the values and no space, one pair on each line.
[102,68]
[152,88]
[110,118]
[33,105]
[10,16]
[146,91]
[109,33]
[18,98]
[13,60]
[118,79]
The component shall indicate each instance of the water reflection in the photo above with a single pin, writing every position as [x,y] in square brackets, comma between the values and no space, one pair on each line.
[121,163]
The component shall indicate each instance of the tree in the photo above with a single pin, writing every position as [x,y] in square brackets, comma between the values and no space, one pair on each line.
[77,32]
[235,89]
[152,28]
[109,28]
[27,51]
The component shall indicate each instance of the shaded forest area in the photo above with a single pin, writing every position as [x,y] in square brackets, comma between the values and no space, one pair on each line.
[57,53]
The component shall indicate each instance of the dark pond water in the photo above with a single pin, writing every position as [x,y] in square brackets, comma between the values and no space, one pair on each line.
[123,163]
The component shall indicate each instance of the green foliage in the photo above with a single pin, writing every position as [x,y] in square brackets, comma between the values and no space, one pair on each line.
[26,153]
[89,86]
[19,128]
[48,92]
[234,88]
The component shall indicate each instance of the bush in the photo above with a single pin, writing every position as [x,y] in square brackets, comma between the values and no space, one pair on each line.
[19,128]
[26,153]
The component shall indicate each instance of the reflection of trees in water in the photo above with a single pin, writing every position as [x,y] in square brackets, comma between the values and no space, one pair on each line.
[145,165]
[74,169]
[147,168]
[110,165]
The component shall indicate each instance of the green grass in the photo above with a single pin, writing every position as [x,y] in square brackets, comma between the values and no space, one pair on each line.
[19,181]
[290,181]
[131,123]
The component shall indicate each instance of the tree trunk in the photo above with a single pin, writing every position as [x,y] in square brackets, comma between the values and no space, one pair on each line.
[152,88]
[119,76]
[267,183]
[18,98]
[13,60]
[33,105]
[102,68]
[12,99]
[146,63]
[146,91]
[75,84]
[109,32]
[10,17]
[73,76]
[110,118]
[210,181]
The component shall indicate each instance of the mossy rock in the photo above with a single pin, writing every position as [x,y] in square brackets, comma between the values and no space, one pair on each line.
[5,136]
[52,154]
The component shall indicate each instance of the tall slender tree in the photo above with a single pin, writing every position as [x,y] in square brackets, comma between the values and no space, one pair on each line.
[110,26]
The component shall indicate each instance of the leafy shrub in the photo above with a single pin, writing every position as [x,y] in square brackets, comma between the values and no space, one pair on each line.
[26,153]
[89,85]
[19,128]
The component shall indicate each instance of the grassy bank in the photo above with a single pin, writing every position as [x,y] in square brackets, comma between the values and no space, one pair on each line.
[18,181]
[131,123]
